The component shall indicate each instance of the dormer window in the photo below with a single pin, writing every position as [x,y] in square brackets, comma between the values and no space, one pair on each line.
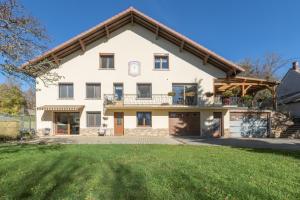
[107,61]
[161,62]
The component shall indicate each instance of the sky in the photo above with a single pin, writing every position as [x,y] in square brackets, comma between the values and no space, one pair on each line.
[235,29]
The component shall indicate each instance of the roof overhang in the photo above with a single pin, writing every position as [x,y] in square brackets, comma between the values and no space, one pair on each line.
[66,108]
[133,16]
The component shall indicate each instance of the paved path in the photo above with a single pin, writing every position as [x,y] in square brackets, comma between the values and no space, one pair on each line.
[110,140]
[264,143]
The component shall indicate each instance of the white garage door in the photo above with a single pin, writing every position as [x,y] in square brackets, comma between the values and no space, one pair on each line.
[249,124]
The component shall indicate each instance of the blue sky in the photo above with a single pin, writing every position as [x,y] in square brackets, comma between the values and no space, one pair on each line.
[235,29]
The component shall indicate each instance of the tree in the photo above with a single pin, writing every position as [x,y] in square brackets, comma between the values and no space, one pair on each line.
[21,39]
[29,96]
[11,98]
[265,67]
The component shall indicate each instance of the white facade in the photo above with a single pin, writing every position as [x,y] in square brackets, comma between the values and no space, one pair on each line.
[129,43]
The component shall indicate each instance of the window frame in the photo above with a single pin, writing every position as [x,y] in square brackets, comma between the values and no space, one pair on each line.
[92,83]
[65,83]
[144,125]
[137,93]
[184,93]
[161,56]
[87,118]
[102,55]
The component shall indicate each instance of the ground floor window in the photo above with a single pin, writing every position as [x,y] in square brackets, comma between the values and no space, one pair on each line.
[93,119]
[144,119]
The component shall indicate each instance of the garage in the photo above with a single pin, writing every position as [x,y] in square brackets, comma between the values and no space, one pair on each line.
[184,123]
[249,124]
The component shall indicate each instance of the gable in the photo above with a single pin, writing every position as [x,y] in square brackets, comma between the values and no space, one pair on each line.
[288,85]
[133,16]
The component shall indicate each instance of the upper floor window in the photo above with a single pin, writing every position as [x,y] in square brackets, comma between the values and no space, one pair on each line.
[161,62]
[66,90]
[107,61]
[93,90]
[144,90]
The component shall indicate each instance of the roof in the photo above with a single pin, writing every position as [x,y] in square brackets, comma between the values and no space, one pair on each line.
[133,16]
[61,107]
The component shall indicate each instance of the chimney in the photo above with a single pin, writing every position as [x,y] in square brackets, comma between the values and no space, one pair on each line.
[295,66]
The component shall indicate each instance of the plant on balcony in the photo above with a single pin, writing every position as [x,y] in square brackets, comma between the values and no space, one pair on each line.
[226,96]
[209,94]
[171,94]
[247,100]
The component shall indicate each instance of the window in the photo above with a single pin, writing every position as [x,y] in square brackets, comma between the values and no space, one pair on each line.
[144,90]
[66,90]
[185,94]
[161,62]
[93,119]
[144,119]
[93,90]
[107,61]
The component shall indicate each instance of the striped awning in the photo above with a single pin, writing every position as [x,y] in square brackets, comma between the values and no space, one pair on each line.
[61,107]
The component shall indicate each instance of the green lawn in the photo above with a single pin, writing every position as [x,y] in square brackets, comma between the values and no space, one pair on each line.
[147,172]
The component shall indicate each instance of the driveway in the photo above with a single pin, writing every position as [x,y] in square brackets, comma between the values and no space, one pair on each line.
[262,143]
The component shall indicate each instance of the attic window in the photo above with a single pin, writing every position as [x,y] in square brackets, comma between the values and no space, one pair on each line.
[161,62]
[107,61]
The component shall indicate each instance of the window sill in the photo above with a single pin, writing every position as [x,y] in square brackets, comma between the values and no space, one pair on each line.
[144,127]
[92,98]
[106,68]
[65,99]
[161,69]
[143,98]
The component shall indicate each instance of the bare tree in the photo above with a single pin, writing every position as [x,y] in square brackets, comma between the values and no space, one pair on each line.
[265,67]
[22,38]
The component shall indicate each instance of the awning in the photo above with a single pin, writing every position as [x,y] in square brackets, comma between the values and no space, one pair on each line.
[61,107]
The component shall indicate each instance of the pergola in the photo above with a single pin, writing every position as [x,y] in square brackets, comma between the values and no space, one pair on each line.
[247,85]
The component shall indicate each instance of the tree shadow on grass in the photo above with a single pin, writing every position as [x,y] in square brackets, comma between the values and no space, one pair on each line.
[15,148]
[127,183]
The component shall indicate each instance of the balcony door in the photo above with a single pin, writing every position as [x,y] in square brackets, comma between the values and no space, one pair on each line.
[67,123]
[118,91]
[185,94]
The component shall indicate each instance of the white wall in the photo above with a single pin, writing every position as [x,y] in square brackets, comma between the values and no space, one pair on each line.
[130,43]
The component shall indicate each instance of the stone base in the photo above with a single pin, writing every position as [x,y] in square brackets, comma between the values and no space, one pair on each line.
[147,132]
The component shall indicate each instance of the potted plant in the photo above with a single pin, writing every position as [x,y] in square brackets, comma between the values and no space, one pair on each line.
[226,96]
[247,100]
[209,94]
[171,94]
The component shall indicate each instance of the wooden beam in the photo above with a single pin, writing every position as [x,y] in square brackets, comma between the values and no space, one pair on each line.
[82,45]
[205,59]
[131,18]
[156,32]
[107,32]
[181,46]
[56,60]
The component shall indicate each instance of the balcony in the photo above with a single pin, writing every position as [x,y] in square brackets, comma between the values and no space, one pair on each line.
[165,101]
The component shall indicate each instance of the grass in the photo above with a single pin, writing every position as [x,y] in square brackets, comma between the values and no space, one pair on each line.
[146,172]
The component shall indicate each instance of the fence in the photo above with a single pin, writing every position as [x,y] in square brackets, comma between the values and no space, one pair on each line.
[12,125]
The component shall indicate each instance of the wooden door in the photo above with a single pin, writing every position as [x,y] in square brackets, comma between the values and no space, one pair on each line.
[119,123]
[217,124]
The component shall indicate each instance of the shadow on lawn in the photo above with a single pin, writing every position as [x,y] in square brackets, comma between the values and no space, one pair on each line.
[15,148]
[258,146]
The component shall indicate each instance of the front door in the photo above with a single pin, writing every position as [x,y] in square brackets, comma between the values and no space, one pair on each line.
[217,124]
[119,123]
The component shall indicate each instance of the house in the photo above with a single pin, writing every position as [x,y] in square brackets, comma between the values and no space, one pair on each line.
[288,92]
[132,75]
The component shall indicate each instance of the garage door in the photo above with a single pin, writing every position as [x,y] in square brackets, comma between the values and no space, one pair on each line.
[249,124]
[184,123]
